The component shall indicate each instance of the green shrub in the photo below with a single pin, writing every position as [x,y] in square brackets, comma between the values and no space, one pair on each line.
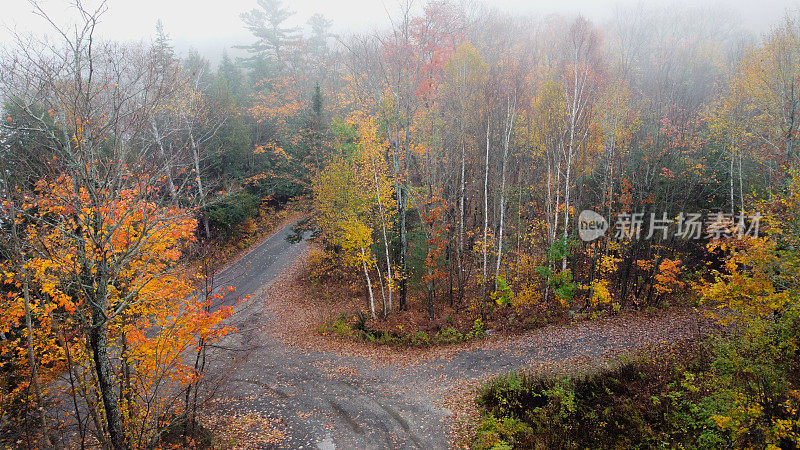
[562,282]
[634,403]
[478,329]
[341,328]
[386,338]
[502,434]
[449,335]
[226,213]
[512,395]
[358,330]
[754,384]
[503,295]
[420,338]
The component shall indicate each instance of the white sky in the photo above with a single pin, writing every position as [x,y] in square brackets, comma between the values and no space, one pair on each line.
[211,25]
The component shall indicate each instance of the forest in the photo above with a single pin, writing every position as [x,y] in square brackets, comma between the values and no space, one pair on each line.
[453,185]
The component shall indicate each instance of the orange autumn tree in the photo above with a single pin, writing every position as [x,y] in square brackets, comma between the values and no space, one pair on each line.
[94,287]
[30,356]
[99,236]
[112,291]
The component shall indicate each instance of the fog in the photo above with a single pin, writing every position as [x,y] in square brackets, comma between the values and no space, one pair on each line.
[214,26]
[600,198]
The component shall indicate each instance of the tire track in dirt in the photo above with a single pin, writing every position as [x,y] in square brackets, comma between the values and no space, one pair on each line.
[334,398]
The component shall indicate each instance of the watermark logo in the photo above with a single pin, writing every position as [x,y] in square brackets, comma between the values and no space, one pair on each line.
[630,226]
[591,225]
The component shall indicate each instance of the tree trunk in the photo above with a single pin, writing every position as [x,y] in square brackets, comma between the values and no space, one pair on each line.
[557,153]
[383,291]
[167,166]
[485,211]
[98,339]
[388,306]
[201,194]
[26,293]
[72,382]
[741,188]
[549,199]
[401,211]
[431,294]
[369,282]
[449,252]
[733,203]
[556,214]
[460,254]
[507,138]
[37,387]
[566,207]
[570,153]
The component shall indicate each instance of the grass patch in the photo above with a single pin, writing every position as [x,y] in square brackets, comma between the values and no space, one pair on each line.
[356,328]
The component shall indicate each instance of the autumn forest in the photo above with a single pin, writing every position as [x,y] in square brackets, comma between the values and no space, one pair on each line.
[468,228]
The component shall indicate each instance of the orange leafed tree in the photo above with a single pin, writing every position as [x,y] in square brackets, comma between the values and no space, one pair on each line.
[93,270]
[113,274]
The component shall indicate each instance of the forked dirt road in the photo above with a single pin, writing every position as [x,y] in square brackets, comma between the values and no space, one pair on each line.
[329,399]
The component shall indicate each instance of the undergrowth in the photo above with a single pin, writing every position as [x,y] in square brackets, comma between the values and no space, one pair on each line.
[356,328]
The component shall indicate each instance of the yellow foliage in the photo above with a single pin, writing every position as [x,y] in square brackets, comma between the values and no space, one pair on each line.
[747,288]
[353,196]
[600,295]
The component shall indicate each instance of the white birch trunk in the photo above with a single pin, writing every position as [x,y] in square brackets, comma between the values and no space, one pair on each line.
[167,165]
[200,191]
[369,282]
[485,208]
[385,246]
[509,127]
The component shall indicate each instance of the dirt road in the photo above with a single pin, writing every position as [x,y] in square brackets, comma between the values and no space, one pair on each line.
[329,400]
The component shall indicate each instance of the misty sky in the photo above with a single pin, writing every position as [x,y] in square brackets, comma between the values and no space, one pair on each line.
[210,26]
